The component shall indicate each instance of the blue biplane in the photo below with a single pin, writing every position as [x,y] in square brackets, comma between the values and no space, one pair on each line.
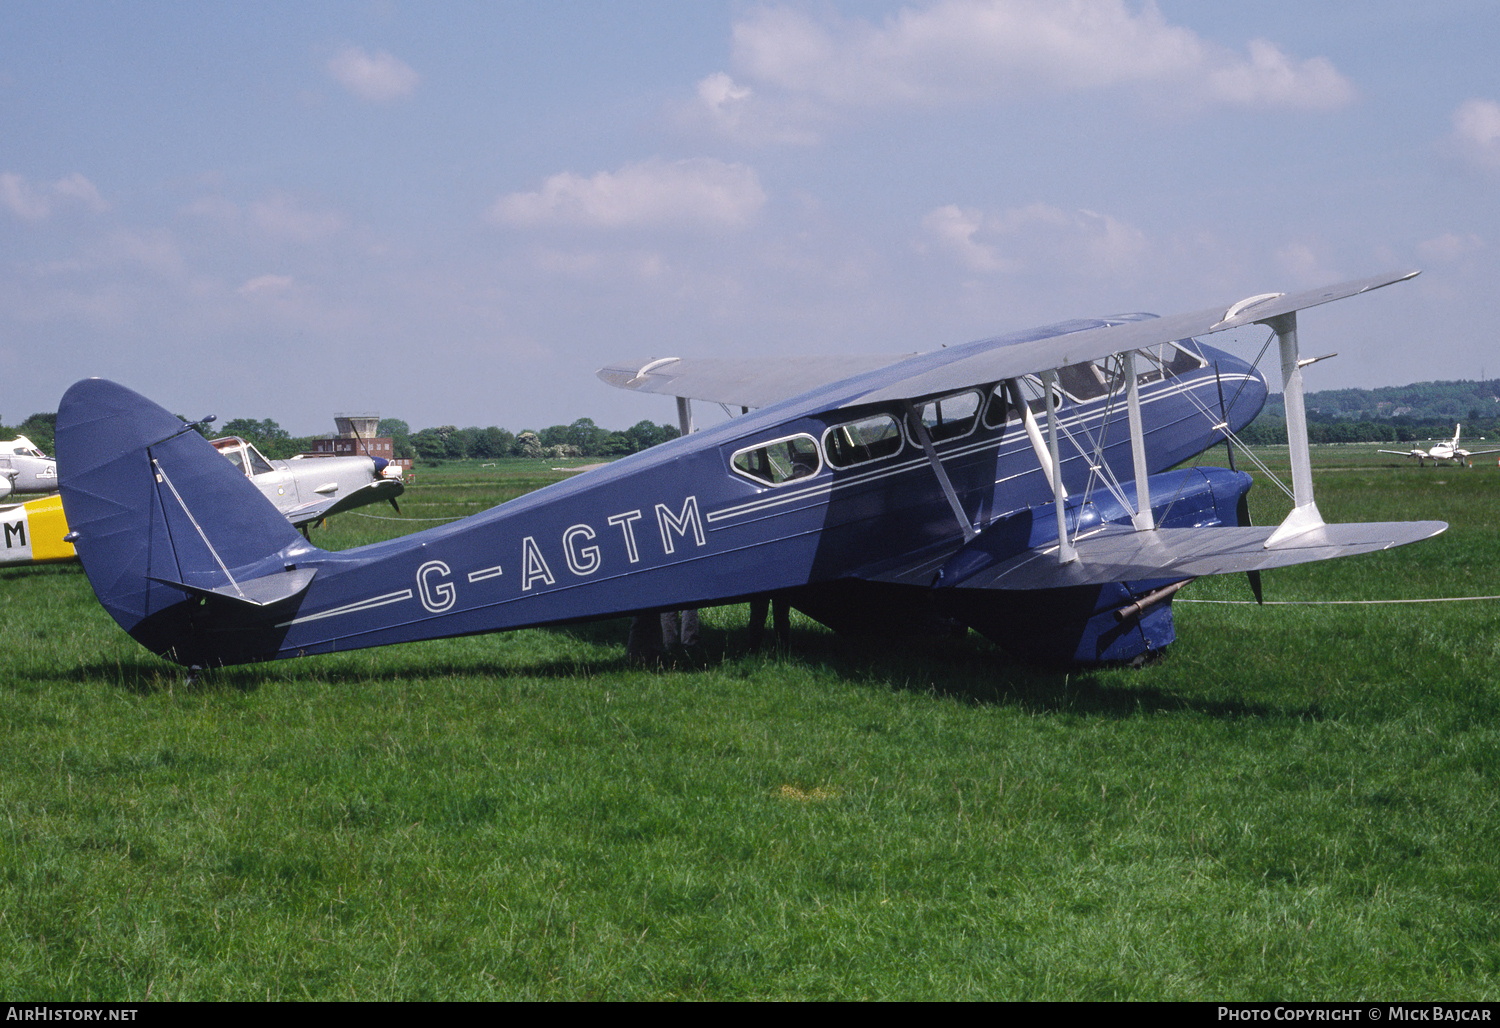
[1015,485]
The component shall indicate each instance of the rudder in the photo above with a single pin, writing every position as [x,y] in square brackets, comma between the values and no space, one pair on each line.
[161,520]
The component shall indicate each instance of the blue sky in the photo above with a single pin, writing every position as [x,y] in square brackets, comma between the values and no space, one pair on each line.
[454,213]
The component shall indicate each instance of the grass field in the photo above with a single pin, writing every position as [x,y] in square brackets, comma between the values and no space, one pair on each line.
[1296,802]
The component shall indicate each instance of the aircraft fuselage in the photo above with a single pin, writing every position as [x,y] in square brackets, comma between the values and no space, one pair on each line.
[785,497]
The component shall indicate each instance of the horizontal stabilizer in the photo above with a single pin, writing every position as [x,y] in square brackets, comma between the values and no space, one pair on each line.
[266,591]
[1122,554]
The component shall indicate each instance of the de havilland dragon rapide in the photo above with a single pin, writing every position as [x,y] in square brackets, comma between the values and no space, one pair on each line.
[1021,486]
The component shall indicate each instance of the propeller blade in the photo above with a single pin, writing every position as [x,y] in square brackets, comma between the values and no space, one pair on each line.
[394,505]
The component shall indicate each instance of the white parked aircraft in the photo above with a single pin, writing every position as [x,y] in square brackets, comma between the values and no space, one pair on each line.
[25,469]
[1449,450]
[310,488]
[305,490]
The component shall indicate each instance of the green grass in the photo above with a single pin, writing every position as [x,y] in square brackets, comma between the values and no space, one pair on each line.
[1294,803]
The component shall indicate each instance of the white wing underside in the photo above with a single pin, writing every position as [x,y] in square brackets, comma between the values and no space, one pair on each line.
[1122,554]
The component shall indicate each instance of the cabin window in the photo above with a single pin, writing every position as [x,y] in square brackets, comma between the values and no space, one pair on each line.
[860,442]
[951,416]
[1086,381]
[779,462]
[1167,360]
[235,457]
[1036,396]
[997,412]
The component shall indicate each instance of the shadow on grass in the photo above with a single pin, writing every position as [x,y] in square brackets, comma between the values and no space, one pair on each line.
[972,670]
[968,669]
[147,675]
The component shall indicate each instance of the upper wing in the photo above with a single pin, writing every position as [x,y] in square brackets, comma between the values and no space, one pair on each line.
[761,381]
[741,381]
[990,361]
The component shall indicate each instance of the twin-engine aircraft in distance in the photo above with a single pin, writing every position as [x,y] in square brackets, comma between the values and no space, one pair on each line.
[1015,484]
[1449,450]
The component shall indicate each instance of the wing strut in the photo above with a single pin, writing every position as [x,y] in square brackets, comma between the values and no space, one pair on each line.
[925,438]
[1304,516]
[1033,433]
[1066,554]
[1142,517]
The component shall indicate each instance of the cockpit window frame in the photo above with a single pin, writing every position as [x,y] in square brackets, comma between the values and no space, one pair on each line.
[938,437]
[766,483]
[895,422]
[258,461]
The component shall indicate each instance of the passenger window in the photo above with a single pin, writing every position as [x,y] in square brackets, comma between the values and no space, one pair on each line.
[950,417]
[779,462]
[997,414]
[860,442]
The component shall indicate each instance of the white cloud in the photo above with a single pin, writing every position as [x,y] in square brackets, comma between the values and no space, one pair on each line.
[153,249]
[1476,130]
[730,109]
[701,191]
[953,229]
[216,209]
[1449,247]
[1037,236]
[77,188]
[267,284]
[35,203]
[281,217]
[378,76]
[1272,79]
[970,50]
[21,199]
[1302,263]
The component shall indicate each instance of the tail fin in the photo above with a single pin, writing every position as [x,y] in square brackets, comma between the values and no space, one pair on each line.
[165,527]
[1457,430]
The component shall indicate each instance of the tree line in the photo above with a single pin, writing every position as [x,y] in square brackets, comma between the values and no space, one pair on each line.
[1390,414]
[582,438]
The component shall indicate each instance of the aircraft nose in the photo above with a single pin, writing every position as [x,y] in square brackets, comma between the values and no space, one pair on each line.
[380,465]
[1247,395]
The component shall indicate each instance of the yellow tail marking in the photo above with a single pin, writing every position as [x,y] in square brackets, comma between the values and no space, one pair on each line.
[48,525]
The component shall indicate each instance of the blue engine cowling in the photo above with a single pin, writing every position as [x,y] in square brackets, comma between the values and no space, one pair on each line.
[1080,625]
